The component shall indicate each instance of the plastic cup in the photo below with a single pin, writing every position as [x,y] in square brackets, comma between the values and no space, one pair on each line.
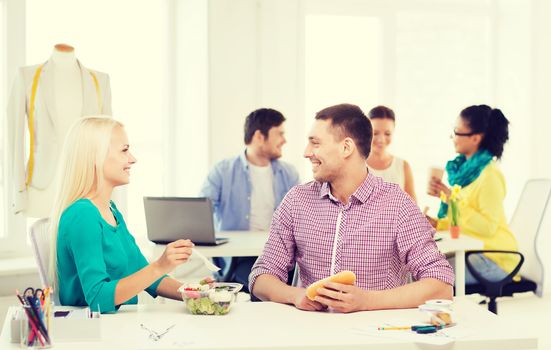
[434,172]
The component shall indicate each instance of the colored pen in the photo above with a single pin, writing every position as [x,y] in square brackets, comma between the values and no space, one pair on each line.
[426,330]
[47,306]
[394,328]
[416,328]
[412,328]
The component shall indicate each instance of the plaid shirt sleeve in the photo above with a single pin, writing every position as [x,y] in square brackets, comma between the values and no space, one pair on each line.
[416,246]
[278,256]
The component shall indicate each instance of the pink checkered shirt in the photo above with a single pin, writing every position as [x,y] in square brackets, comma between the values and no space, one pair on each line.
[380,234]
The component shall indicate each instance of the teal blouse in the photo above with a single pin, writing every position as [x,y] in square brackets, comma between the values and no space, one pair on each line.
[92,256]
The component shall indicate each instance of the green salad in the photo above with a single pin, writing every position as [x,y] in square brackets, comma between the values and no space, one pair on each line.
[205,306]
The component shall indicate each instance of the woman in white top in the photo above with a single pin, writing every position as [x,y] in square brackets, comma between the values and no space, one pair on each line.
[380,162]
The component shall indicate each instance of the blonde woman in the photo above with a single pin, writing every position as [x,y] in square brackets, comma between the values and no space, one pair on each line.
[94,259]
[380,162]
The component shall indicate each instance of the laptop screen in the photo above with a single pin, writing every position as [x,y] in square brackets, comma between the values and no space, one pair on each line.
[172,218]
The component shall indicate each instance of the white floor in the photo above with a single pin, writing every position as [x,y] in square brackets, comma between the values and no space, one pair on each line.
[525,310]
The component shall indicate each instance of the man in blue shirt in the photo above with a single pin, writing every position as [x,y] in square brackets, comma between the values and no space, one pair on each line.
[246,189]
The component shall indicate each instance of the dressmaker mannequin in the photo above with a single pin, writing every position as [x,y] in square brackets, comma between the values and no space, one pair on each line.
[67,87]
[64,91]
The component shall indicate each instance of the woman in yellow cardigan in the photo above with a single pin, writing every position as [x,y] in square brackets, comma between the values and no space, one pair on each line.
[479,136]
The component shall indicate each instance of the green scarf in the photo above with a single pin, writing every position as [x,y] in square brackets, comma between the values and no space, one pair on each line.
[463,172]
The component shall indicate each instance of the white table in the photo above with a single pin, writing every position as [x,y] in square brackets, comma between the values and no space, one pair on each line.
[240,243]
[251,243]
[277,326]
[457,247]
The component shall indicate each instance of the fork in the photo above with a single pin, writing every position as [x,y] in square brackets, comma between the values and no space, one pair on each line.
[206,261]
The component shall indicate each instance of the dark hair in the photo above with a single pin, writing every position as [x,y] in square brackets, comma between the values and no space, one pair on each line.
[262,119]
[489,122]
[349,121]
[382,112]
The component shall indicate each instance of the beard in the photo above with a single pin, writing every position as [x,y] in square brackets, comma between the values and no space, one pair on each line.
[271,152]
[324,176]
[275,155]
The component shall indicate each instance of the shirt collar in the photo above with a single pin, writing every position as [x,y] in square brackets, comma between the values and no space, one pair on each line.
[245,162]
[243,159]
[361,194]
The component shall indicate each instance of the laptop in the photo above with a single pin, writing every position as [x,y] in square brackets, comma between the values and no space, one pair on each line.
[171,218]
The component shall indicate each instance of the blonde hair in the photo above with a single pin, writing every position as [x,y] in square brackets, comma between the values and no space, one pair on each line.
[80,171]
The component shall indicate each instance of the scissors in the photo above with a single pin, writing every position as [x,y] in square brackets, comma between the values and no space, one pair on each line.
[37,294]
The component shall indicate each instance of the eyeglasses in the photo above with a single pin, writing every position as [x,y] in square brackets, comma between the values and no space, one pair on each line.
[456,133]
[156,336]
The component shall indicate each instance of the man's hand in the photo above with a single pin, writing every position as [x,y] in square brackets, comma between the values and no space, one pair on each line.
[342,297]
[303,303]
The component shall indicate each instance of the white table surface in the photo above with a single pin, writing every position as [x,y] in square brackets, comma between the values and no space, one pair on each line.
[278,326]
[251,243]
[240,243]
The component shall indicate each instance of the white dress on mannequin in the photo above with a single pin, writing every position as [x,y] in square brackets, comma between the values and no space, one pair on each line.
[68,89]
[64,91]
[67,84]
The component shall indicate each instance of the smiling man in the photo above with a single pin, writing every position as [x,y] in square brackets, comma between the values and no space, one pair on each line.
[246,189]
[348,219]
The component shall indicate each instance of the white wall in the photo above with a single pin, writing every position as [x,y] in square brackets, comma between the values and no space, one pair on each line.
[279,86]
[187,146]
[513,91]
[233,66]
[253,56]
[256,60]
[541,82]
[541,116]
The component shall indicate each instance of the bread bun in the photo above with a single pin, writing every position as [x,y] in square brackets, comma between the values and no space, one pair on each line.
[344,277]
[441,317]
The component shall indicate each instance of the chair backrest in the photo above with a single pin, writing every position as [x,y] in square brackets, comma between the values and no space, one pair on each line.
[40,242]
[526,224]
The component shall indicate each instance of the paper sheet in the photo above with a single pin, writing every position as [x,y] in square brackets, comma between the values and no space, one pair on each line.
[441,337]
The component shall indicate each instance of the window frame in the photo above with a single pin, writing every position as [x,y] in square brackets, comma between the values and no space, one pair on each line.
[13,242]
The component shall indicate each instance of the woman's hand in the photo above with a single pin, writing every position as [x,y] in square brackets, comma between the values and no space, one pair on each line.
[436,186]
[176,253]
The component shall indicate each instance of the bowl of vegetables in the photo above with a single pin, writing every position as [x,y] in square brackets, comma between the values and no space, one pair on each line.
[208,297]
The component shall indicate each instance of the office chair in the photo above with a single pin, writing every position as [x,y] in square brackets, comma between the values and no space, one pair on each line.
[40,242]
[526,225]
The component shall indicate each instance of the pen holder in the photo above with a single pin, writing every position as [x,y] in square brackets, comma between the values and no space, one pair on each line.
[32,332]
